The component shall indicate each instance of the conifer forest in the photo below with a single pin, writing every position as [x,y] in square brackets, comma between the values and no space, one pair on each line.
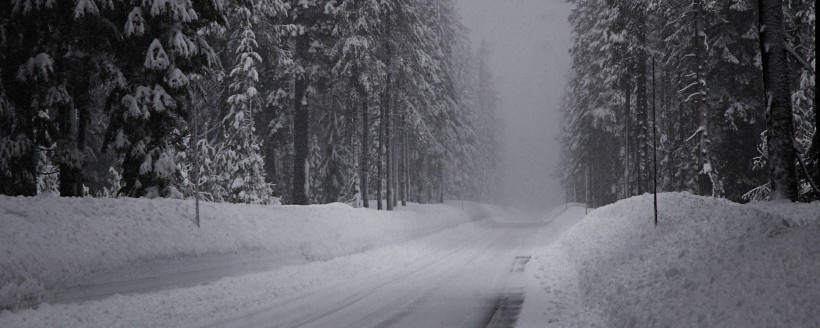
[244,101]
[713,97]
[409,163]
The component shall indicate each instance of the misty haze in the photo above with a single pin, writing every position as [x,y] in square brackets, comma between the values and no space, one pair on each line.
[409,163]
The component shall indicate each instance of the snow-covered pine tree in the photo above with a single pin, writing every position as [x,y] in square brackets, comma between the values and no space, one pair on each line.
[355,63]
[801,22]
[151,100]
[32,91]
[732,70]
[604,49]
[239,166]
[309,17]
[689,49]
[485,127]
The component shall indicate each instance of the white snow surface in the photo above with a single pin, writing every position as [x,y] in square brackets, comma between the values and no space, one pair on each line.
[48,244]
[708,263]
[459,268]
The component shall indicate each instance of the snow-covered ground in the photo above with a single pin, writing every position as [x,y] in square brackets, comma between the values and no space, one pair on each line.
[70,249]
[451,278]
[708,263]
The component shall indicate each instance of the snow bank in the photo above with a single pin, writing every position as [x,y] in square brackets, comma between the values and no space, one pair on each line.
[709,263]
[49,242]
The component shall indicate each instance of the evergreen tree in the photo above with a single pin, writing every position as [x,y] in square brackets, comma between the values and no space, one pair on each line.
[151,100]
[241,166]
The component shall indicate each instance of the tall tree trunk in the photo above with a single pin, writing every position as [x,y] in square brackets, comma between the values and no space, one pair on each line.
[269,145]
[394,155]
[403,185]
[814,151]
[780,140]
[441,179]
[707,176]
[427,184]
[73,144]
[365,163]
[389,149]
[642,101]
[627,141]
[301,129]
[380,155]
[350,137]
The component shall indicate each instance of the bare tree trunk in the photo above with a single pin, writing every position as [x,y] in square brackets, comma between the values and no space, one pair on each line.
[394,154]
[301,130]
[195,141]
[814,151]
[627,141]
[441,179]
[707,177]
[387,102]
[380,155]
[350,137]
[642,99]
[782,170]
[365,153]
[403,173]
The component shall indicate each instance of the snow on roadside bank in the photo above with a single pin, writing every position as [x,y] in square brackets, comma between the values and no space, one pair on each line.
[50,242]
[709,263]
[237,300]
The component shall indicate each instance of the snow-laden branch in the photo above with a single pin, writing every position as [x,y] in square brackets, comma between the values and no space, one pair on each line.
[699,130]
[688,86]
[694,94]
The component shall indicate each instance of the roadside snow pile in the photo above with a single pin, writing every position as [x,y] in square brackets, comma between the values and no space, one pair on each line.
[708,263]
[47,243]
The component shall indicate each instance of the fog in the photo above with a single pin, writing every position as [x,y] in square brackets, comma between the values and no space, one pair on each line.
[529,40]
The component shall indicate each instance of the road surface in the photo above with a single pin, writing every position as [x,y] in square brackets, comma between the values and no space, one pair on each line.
[467,276]
[462,283]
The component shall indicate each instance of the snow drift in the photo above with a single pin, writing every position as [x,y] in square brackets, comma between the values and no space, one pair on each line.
[49,243]
[709,263]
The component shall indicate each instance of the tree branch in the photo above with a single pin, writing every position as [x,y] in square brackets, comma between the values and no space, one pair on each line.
[800,60]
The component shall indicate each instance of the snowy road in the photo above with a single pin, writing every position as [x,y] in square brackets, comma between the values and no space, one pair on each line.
[459,283]
[458,277]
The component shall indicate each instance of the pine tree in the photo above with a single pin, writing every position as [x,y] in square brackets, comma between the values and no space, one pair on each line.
[151,100]
[241,166]
[356,64]
[309,16]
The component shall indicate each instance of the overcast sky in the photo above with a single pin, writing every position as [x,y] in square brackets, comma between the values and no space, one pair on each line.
[529,41]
